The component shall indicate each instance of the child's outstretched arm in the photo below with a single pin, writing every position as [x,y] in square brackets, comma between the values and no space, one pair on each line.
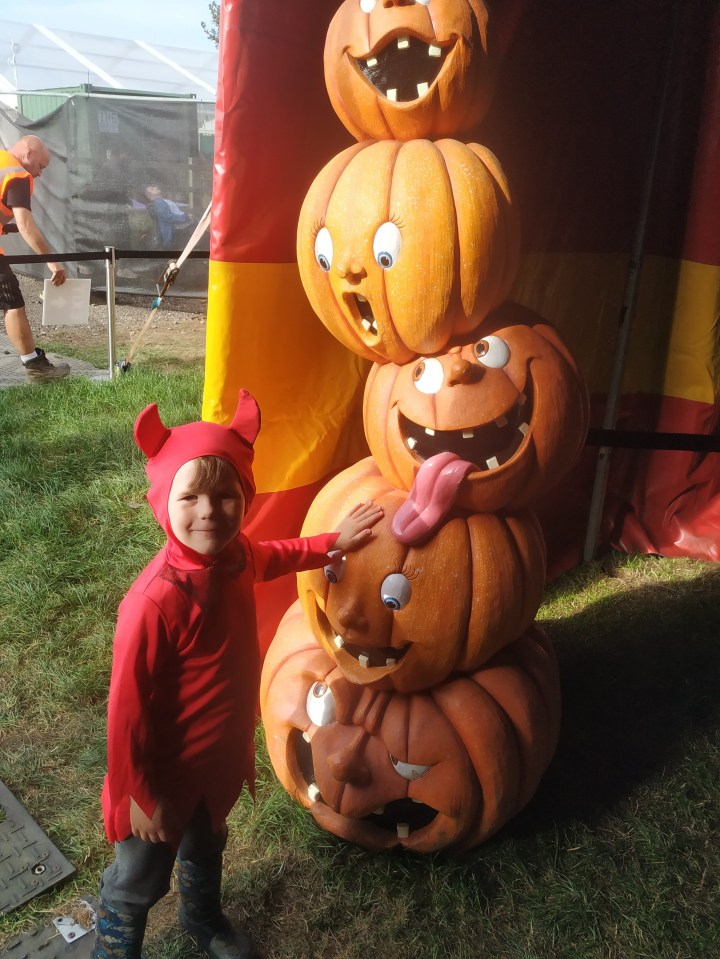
[356,528]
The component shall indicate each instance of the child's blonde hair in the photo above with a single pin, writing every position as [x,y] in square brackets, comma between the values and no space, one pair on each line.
[209,471]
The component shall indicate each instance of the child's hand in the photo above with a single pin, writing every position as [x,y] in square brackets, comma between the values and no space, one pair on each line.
[158,828]
[355,528]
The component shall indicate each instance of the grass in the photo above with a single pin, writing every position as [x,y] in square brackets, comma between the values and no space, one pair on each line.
[615,856]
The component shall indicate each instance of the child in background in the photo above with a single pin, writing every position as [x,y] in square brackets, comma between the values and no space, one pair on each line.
[185,678]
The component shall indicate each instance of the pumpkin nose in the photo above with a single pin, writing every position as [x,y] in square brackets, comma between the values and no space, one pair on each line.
[350,268]
[351,616]
[463,372]
[348,766]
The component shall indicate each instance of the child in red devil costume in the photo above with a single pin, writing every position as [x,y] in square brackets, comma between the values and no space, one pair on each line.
[185,678]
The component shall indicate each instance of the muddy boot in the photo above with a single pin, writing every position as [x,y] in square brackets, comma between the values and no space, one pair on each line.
[117,935]
[201,915]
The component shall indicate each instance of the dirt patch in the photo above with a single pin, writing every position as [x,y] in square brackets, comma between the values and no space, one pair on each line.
[177,329]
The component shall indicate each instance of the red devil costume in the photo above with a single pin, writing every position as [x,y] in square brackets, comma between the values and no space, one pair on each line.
[186,663]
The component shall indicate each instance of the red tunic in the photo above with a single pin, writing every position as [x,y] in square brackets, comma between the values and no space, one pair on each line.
[185,678]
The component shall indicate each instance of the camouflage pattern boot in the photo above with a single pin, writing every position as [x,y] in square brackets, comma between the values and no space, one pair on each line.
[201,915]
[117,935]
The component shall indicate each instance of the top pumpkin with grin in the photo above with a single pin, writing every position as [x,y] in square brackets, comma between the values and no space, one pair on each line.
[492,423]
[409,70]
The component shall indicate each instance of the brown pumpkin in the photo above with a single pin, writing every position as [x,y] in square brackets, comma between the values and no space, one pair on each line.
[401,246]
[507,401]
[406,71]
[444,768]
[406,616]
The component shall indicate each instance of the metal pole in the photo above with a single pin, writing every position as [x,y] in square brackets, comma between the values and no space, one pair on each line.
[627,310]
[110,294]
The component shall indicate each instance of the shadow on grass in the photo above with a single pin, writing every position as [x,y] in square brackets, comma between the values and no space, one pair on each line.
[640,676]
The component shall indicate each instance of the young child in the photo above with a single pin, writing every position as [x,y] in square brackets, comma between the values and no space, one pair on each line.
[185,678]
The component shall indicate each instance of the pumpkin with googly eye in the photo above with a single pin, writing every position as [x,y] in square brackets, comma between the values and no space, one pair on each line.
[504,409]
[410,70]
[402,246]
[443,768]
[405,615]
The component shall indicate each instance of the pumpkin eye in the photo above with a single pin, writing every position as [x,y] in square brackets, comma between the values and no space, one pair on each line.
[428,376]
[367,6]
[386,244]
[396,591]
[492,352]
[320,705]
[324,249]
[335,570]
[408,770]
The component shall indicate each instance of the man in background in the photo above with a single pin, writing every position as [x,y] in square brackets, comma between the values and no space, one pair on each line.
[19,166]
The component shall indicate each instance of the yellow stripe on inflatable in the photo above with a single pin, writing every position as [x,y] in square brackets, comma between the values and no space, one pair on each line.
[263,335]
[671,345]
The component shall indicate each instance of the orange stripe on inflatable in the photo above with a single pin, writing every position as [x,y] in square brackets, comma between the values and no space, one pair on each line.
[262,335]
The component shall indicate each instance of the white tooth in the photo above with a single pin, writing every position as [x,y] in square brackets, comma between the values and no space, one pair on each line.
[417,801]
[403,43]
[429,431]
[492,463]
[422,89]
[501,421]
[434,51]
[390,661]
[359,296]
[313,793]
[379,811]
[373,328]
[468,434]
[391,95]
[339,642]
[364,660]
[524,428]
[412,442]
[372,62]
[366,324]
[306,737]
[522,400]
[403,830]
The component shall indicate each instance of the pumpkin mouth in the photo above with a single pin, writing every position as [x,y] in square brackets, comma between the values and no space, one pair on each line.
[400,816]
[487,446]
[405,68]
[362,310]
[350,656]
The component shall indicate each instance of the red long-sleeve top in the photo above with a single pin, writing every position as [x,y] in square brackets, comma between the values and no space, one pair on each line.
[185,677]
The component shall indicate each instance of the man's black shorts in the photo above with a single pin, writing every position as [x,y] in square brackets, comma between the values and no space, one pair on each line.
[11,297]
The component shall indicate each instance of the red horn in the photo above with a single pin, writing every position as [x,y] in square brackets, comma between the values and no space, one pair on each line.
[246,422]
[150,432]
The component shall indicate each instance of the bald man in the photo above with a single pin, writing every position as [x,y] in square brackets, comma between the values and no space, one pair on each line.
[19,167]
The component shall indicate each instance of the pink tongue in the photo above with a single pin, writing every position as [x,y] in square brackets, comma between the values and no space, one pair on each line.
[431,497]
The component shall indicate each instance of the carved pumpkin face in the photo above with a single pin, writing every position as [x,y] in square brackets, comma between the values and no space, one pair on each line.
[442,768]
[405,617]
[402,246]
[405,71]
[506,403]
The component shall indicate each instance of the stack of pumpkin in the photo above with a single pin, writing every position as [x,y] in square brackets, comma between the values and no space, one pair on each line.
[408,698]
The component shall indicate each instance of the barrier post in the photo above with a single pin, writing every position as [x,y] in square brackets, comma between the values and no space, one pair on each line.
[110,295]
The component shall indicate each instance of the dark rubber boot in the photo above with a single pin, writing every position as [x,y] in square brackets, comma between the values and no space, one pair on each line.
[117,935]
[201,915]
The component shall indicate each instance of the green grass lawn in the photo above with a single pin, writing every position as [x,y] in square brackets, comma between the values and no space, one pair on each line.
[616,855]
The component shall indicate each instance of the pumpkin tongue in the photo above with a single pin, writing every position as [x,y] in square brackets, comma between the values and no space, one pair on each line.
[431,497]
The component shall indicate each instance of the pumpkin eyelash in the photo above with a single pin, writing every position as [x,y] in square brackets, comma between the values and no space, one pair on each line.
[398,221]
[317,226]
[411,572]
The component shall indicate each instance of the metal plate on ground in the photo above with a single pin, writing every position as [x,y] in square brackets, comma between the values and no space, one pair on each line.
[51,942]
[29,863]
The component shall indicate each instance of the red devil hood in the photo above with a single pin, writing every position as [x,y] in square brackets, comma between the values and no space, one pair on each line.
[169,449]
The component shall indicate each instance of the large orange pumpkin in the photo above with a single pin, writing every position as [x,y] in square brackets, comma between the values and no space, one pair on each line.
[401,246]
[398,70]
[438,769]
[506,401]
[406,616]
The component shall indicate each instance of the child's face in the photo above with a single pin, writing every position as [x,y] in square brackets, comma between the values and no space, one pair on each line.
[205,522]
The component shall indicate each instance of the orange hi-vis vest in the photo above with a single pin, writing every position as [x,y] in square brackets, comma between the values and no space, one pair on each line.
[10,170]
